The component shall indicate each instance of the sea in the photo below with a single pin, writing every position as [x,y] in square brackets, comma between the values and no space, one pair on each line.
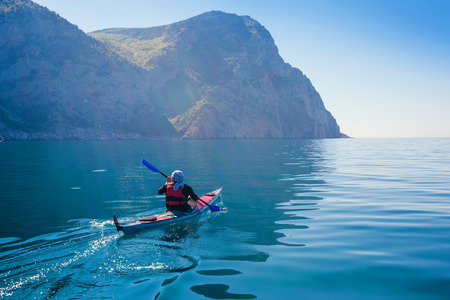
[301,219]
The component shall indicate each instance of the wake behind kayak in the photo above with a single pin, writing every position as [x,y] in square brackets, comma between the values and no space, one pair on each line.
[168,216]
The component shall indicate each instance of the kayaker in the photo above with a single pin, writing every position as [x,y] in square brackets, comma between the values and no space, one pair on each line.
[179,196]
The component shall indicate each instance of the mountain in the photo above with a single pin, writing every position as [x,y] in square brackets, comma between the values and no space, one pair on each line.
[59,83]
[216,75]
[226,66]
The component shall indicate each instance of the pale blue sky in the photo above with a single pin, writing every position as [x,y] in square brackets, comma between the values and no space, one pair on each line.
[382,67]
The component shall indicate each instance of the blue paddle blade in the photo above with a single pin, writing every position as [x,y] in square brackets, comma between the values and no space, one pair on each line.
[215,208]
[150,166]
[211,207]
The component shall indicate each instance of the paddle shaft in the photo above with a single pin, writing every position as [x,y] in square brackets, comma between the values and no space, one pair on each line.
[200,199]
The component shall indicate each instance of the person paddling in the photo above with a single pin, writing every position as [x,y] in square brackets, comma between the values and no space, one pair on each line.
[179,196]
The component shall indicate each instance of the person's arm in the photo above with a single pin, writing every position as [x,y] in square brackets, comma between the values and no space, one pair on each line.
[188,191]
[162,190]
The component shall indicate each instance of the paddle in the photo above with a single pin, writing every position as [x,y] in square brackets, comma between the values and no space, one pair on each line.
[211,207]
[154,169]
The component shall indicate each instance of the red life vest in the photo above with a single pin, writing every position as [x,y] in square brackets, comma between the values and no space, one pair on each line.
[175,200]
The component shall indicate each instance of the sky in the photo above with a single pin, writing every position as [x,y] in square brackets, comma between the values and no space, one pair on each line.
[382,67]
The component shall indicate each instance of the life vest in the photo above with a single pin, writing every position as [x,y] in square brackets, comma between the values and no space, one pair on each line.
[175,200]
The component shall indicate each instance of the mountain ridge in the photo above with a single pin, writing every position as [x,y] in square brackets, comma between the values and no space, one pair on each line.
[216,75]
[58,83]
[242,64]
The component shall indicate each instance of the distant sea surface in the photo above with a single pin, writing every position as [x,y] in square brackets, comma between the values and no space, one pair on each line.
[304,219]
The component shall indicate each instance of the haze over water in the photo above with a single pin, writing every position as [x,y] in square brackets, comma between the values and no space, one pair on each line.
[305,219]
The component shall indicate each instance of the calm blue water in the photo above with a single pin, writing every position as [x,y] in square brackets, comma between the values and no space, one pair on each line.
[305,219]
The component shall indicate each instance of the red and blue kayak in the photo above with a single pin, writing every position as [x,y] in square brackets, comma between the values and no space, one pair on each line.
[168,216]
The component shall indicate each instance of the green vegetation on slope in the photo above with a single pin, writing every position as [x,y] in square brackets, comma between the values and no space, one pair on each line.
[136,49]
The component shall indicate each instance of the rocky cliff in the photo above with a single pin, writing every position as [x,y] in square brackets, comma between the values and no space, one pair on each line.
[216,75]
[228,67]
[58,83]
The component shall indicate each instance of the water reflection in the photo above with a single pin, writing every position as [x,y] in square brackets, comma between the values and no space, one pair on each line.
[220,272]
[269,189]
[219,291]
[162,250]
[303,164]
[293,222]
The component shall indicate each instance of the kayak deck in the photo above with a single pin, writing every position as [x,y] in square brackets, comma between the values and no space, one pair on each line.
[168,216]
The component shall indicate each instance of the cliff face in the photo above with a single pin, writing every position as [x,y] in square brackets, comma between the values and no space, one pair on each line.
[216,75]
[59,83]
[220,76]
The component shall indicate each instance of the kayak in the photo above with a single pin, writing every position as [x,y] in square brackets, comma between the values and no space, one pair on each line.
[168,216]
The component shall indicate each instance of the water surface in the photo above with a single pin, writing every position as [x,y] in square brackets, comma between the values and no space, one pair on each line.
[305,219]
